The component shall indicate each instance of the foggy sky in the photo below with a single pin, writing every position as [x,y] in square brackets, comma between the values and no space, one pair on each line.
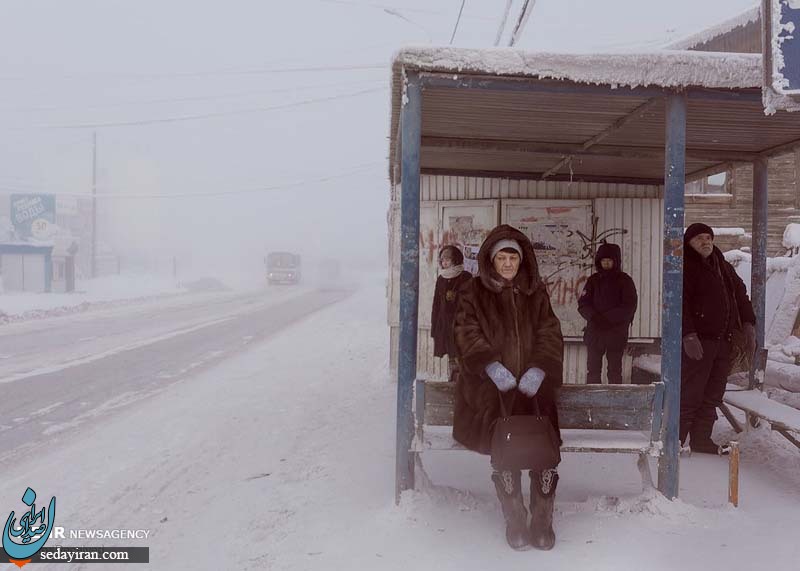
[66,66]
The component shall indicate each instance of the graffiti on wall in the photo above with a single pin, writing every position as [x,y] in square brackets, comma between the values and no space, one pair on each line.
[565,239]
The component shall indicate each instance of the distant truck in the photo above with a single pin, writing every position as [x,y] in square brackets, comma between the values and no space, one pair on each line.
[283,268]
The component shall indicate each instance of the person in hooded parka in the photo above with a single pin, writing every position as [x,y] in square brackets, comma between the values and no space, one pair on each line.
[509,338]
[452,277]
[608,303]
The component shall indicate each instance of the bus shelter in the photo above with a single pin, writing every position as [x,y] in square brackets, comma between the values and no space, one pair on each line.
[656,120]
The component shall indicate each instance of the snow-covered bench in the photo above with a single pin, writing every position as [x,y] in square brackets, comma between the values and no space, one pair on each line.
[622,419]
[782,418]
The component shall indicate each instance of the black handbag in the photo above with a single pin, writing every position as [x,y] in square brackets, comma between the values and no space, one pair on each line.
[524,441]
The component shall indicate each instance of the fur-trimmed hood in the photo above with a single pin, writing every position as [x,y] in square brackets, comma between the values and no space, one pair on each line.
[527,280]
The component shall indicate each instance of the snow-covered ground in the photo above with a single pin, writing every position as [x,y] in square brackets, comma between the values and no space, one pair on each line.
[283,459]
[15,306]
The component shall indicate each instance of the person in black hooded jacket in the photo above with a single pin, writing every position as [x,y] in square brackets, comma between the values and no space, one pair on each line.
[608,303]
[715,307]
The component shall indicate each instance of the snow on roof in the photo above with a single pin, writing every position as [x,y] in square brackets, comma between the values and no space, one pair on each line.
[661,68]
[699,38]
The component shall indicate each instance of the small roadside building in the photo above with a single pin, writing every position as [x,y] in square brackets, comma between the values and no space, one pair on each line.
[572,150]
[26,267]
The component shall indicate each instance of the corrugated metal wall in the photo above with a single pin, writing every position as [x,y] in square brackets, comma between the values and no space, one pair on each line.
[635,208]
[440,187]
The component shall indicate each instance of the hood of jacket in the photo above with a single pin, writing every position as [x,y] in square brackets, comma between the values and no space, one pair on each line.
[607,250]
[527,279]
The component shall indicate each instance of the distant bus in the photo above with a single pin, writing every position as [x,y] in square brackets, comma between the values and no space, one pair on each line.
[283,268]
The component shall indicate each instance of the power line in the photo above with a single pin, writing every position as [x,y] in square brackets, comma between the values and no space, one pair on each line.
[358,169]
[503,22]
[455,28]
[387,6]
[527,8]
[216,114]
[173,75]
[194,98]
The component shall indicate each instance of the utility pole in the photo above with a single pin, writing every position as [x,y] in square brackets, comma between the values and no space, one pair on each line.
[94,204]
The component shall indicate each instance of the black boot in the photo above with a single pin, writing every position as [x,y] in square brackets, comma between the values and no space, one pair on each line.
[700,439]
[543,497]
[509,492]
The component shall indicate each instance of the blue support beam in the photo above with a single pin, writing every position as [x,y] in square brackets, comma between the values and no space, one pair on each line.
[411,141]
[758,277]
[672,289]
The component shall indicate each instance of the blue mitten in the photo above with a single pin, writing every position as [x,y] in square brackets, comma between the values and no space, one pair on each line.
[531,381]
[501,376]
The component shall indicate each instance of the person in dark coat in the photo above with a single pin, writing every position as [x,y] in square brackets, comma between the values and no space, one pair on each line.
[608,304]
[715,309]
[452,277]
[509,343]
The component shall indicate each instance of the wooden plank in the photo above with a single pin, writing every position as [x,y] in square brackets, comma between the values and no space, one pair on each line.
[753,401]
[598,441]
[608,407]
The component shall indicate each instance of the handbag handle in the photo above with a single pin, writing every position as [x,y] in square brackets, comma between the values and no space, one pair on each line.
[513,397]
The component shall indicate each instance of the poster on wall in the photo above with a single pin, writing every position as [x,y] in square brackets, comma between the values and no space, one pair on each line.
[465,224]
[561,233]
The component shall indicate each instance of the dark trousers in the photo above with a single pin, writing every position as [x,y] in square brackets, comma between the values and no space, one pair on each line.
[613,349]
[702,388]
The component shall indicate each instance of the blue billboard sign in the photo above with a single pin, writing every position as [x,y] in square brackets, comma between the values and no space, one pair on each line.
[33,215]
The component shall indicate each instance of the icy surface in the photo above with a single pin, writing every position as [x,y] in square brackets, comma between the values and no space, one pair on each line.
[689,42]
[658,68]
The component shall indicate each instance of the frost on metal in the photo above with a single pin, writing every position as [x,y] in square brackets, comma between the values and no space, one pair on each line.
[661,68]
[405,89]
[777,96]
[779,81]
[747,17]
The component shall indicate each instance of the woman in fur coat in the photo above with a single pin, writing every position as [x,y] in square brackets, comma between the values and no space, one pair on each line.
[509,343]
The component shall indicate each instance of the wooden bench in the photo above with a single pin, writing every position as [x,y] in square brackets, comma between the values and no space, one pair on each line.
[783,419]
[619,419]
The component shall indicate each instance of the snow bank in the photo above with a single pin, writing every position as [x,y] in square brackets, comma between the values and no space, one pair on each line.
[100,292]
[728,231]
[791,236]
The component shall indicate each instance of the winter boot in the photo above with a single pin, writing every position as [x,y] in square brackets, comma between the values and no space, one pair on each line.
[509,492]
[543,497]
[700,439]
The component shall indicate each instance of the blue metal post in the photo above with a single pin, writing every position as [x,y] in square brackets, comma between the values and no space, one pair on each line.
[758,276]
[672,289]
[411,140]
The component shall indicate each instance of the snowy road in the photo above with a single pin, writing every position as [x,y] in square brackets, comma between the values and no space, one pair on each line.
[58,374]
[281,458]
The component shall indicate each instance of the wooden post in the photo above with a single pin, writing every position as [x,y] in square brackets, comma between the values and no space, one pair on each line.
[411,139]
[733,474]
[758,276]
[672,289]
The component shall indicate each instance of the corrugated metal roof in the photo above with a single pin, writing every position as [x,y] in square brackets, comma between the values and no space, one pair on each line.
[477,126]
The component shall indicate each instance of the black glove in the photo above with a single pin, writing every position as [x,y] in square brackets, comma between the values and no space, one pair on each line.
[693,347]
